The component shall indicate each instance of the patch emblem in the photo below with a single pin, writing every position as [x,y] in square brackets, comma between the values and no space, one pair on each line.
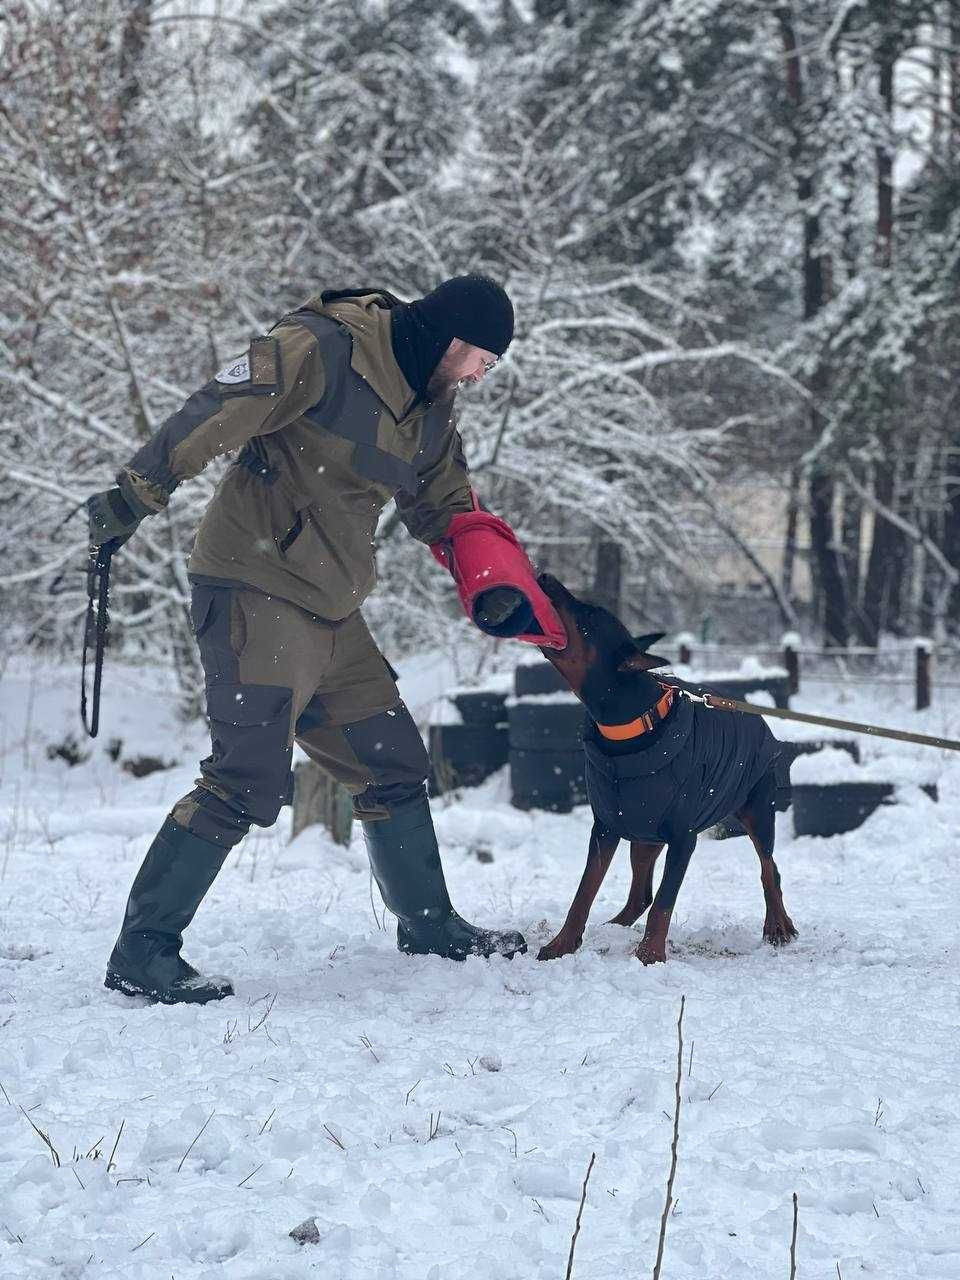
[236,371]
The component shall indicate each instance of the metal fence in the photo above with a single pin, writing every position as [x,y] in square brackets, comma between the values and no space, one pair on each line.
[917,663]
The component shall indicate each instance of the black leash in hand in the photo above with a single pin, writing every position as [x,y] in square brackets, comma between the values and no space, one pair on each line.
[95,629]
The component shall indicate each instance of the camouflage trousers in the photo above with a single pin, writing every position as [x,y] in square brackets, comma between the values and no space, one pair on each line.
[276,675]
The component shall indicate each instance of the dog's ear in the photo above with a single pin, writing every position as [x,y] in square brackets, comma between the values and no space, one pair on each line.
[633,656]
[644,642]
[640,661]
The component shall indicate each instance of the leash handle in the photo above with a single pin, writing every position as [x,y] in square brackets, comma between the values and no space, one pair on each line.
[95,626]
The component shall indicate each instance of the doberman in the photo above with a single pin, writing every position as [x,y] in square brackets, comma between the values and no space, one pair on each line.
[660,769]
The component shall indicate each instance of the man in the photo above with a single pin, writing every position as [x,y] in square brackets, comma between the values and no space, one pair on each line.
[345,404]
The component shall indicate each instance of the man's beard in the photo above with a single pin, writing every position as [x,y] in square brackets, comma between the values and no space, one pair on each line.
[441,385]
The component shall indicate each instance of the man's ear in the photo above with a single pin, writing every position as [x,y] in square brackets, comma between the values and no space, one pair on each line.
[640,661]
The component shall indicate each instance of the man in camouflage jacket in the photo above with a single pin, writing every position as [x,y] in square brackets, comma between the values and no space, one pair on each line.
[345,404]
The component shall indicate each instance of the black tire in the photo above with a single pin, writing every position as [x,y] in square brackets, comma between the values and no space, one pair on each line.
[552,780]
[463,755]
[481,707]
[827,809]
[538,677]
[546,726]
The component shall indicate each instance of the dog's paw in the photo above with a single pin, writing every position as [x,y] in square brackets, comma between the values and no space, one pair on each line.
[779,930]
[560,946]
[651,952]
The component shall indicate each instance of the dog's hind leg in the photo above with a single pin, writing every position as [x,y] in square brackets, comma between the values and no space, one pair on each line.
[603,845]
[643,859]
[757,816]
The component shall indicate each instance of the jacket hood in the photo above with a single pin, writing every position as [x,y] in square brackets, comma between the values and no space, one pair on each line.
[366,316]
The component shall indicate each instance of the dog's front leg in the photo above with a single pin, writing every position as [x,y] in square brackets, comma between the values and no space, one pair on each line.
[603,845]
[653,948]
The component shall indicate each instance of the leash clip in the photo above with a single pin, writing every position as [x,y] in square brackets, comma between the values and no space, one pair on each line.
[703,698]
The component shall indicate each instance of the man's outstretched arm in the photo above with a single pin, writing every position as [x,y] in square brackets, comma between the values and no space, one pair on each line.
[269,386]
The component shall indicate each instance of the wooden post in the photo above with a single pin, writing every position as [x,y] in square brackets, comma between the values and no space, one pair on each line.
[791,660]
[318,798]
[923,655]
[608,575]
[685,646]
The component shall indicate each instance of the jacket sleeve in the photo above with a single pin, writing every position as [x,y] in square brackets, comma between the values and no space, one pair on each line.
[444,490]
[269,386]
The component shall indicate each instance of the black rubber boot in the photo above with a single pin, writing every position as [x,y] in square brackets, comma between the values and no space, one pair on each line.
[176,873]
[405,860]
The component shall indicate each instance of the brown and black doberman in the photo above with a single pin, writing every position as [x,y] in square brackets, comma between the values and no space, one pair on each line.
[660,769]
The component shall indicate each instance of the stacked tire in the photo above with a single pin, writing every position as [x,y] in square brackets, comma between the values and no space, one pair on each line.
[546,742]
[466,754]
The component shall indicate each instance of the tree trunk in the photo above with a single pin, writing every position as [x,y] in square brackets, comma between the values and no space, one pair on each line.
[833,594]
[888,562]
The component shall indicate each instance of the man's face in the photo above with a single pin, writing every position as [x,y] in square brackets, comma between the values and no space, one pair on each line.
[460,363]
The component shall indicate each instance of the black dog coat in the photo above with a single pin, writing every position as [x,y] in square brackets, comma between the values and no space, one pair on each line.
[698,767]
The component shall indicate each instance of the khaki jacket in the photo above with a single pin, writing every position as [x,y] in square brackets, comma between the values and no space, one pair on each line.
[328,433]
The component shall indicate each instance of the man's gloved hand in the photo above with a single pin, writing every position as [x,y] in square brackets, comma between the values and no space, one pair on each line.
[111,518]
[496,582]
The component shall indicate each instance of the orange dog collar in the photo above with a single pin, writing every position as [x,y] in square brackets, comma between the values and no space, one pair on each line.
[643,724]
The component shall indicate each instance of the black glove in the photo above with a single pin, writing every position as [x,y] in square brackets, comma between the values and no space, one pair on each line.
[503,611]
[111,518]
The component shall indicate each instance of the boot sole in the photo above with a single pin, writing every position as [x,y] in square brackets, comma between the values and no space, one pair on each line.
[115,982]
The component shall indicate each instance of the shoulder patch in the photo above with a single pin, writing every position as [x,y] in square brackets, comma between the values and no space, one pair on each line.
[236,371]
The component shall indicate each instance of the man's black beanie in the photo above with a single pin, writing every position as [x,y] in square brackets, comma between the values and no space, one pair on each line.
[472,308]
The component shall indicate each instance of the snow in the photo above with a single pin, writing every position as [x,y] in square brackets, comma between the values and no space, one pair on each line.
[559,697]
[437,1119]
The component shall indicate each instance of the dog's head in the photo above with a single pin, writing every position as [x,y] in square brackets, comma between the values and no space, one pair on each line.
[599,647]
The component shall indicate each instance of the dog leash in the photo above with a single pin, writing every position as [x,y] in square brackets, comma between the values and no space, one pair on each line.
[95,629]
[714,702]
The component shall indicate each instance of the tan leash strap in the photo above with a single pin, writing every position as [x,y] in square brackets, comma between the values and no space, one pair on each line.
[715,701]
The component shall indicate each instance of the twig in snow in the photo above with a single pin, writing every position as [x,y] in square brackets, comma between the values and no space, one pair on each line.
[576,1229]
[115,1145]
[268,1119]
[49,1145]
[333,1137]
[368,1046]
[920,1185]
[12,1235]
[710,1095]
[690,1063]
[143,1242]
[249,1175]
[673,1144]
[194,1142]
[839,1276]
[381,924]
[406,1101]
[516,1153]
[793,1241]
[4,1092]
[875,1209]
[879,1114]
[271,1001]
[434,1126]
[79,1179]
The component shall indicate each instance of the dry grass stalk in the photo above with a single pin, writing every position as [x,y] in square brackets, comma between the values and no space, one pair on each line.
[793,1241]
[576,1229]
[43,1137]
[115,1145]
[194,1142]
[673,1145]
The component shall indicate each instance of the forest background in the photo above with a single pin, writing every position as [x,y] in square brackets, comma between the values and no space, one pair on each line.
[731,231]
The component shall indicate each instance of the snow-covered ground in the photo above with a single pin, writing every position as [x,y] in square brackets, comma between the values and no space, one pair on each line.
[437,1119]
